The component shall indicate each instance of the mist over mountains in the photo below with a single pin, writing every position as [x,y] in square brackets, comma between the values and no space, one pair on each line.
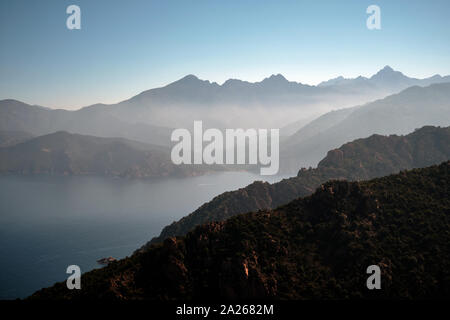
[271,103]
[274,102]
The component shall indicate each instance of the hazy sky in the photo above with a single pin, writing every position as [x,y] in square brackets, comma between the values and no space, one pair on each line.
[125,47]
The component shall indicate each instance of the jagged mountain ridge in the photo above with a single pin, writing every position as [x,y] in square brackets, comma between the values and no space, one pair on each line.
[271,103]
[385,77]
[238,103]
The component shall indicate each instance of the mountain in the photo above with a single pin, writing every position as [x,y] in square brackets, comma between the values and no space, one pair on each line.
[361,159]
[386,78]
[318,247]
[273,102]
[9,138]
[396,114]
[62,153]
[19,116]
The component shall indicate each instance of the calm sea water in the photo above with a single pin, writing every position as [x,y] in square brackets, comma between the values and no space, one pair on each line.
[48,223]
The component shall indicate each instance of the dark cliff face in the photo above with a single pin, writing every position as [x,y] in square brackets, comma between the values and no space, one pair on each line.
[361,159]
[317,247]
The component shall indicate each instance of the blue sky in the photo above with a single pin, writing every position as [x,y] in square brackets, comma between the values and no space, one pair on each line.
[125,47]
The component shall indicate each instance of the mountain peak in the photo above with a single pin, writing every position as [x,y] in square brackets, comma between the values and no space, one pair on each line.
[275,78]
[388,73]
[387,69]
[189,78]
[278,77]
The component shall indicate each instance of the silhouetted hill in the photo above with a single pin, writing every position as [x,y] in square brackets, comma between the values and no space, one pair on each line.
[317,247]
[361,159]
[62,153]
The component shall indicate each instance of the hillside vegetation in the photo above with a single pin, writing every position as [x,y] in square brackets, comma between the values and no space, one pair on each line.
[317,247]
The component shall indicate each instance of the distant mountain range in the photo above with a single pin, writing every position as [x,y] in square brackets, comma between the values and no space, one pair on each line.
[62,153]
[274,102]
[396,114]
[238,103]
[317,247]
[385,78]
[361,159]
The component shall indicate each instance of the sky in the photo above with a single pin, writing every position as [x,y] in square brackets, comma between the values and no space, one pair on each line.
[126,47]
